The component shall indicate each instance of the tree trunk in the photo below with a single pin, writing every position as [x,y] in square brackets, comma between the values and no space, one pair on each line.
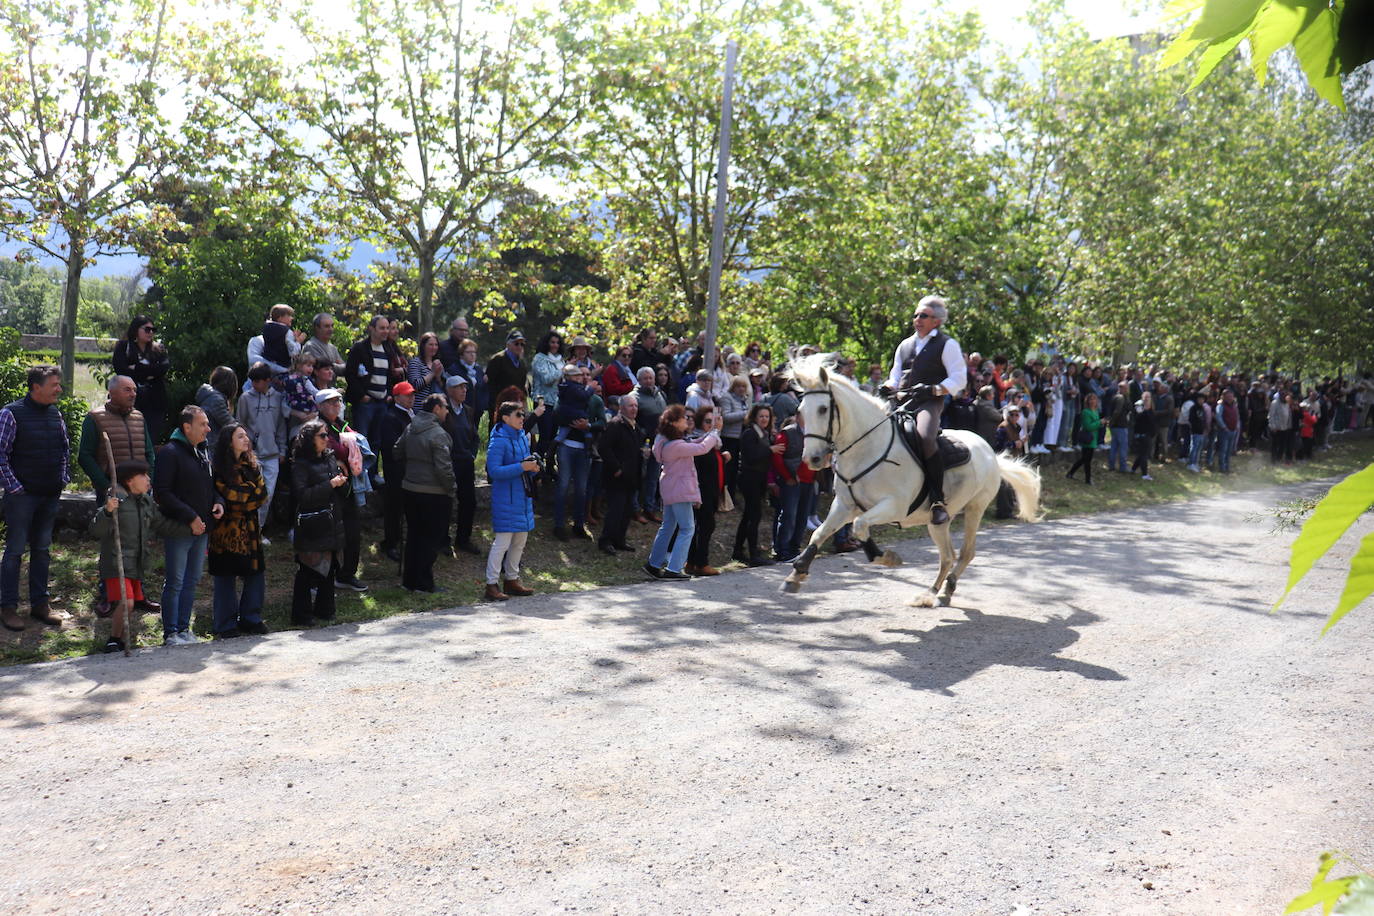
[71,295]
[424,316]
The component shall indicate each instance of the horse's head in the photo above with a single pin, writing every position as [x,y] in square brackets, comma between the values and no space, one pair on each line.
[817,417]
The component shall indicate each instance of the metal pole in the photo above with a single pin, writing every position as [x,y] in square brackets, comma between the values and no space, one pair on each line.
[722,196]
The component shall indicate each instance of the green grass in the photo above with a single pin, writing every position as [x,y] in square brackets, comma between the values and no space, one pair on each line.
[555,566]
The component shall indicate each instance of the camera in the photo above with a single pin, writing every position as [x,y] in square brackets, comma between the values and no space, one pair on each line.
[537,459]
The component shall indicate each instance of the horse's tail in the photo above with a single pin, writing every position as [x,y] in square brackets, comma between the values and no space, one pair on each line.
[1025,482]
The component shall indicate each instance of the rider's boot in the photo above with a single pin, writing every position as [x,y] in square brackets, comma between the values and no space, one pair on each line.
[935,474]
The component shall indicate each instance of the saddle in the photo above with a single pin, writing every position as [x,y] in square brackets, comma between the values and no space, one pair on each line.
[954,453]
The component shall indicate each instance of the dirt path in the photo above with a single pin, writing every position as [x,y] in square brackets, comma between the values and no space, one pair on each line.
[1107,722]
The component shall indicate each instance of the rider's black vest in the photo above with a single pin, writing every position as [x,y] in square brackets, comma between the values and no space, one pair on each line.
[926,367]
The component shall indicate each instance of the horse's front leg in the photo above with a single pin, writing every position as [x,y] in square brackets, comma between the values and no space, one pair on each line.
[840,514]
[885,511]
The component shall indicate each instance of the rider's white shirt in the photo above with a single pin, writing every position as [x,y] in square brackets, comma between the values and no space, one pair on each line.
[955,368]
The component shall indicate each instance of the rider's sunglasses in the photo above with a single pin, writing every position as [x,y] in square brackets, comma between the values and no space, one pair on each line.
[920,315]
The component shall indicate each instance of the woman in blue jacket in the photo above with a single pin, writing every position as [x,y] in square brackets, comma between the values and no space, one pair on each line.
[511,467]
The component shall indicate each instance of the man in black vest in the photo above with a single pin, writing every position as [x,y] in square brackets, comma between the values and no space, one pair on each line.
[34,456]
[928,367]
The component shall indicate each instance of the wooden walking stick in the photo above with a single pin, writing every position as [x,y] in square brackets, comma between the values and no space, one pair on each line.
[124,601]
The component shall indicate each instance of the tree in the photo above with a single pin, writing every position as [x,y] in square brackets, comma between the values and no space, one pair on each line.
[84,87]
[644,158]
[211,295]
[410,121]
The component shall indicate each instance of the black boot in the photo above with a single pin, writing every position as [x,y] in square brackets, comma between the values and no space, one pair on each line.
[935,475]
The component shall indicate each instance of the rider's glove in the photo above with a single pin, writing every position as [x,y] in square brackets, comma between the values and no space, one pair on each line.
[921,393]
[887,392]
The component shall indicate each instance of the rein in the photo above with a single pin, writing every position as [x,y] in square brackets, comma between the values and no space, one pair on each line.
[829,439]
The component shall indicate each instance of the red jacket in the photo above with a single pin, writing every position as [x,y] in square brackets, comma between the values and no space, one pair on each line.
[616,380]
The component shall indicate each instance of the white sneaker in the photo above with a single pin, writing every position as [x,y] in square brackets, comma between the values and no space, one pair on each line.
[1146,477]
[265,542]
[171,640]
[186,638]
[1067,449]
[813,523]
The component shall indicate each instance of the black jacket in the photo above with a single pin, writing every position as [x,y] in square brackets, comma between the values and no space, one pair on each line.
[310,487]
[755,453]
[502,373]
[184,489]
[619,448]
[393,422]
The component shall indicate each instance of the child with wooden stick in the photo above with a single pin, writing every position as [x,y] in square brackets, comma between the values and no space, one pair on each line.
[137,517]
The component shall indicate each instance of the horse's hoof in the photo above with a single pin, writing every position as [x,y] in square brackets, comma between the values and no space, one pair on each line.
[924,601]
[944,601]
[791,587]
[890,559]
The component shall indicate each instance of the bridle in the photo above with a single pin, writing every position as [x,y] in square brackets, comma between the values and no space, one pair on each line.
[829,439]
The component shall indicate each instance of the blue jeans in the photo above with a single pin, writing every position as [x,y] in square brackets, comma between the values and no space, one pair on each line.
[28,522]
[677,517]
[786,522]
[573,466]
[1208,447]
[185,560]
[1226,446]
[231,607]
[1120,448]
[648,490]
[1195,450]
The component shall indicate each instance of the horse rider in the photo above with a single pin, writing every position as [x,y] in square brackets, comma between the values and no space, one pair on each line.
[927,367]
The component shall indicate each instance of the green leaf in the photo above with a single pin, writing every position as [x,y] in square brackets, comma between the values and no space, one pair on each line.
[1178,50]
[1224,18]
[1359,900]
[1177,8]
[1316,47]
[1277,26]
[1326,893]
[1335,513]
[1358,585]
[1214,55]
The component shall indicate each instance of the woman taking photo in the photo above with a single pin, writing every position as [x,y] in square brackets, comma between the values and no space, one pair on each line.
[678,489]
[756,456]
[317,485]
[424,371]
[236,539]
[216,397]
[428,491]
[145,361]
[1089,425]
[710,469]
[510,468]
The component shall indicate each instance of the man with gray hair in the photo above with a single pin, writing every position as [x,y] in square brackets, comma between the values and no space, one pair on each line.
[130,438]
[319,345]
[928,367]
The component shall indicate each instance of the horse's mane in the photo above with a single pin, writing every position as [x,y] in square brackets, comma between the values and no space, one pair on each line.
[806,372]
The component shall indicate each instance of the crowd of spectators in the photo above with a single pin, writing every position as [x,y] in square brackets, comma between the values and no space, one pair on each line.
[649,437]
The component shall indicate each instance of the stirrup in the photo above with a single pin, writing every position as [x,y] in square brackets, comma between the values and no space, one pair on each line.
[939,507]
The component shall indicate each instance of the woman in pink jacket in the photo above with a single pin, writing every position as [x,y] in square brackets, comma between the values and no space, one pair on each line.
[678,490]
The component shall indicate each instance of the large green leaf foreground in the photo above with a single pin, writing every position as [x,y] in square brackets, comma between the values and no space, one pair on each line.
[1336,512]
[1351,896]
[1331,39]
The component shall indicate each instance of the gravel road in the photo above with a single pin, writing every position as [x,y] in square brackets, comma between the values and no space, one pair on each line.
[1106,722]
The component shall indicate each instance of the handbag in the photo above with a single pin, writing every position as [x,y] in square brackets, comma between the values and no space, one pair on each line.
[727,504]
[315,524]
[1084,437]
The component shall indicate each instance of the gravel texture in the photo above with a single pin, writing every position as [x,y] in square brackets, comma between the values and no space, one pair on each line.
[1107,721]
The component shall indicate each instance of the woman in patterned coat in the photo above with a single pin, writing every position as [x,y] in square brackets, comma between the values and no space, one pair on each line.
[236,539]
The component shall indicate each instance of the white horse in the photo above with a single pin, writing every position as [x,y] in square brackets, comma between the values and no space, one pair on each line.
[876,477]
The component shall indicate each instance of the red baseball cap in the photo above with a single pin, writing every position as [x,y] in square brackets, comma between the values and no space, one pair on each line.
[402,388]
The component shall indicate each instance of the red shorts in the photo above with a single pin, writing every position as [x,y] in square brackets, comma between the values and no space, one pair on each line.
[133,590]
